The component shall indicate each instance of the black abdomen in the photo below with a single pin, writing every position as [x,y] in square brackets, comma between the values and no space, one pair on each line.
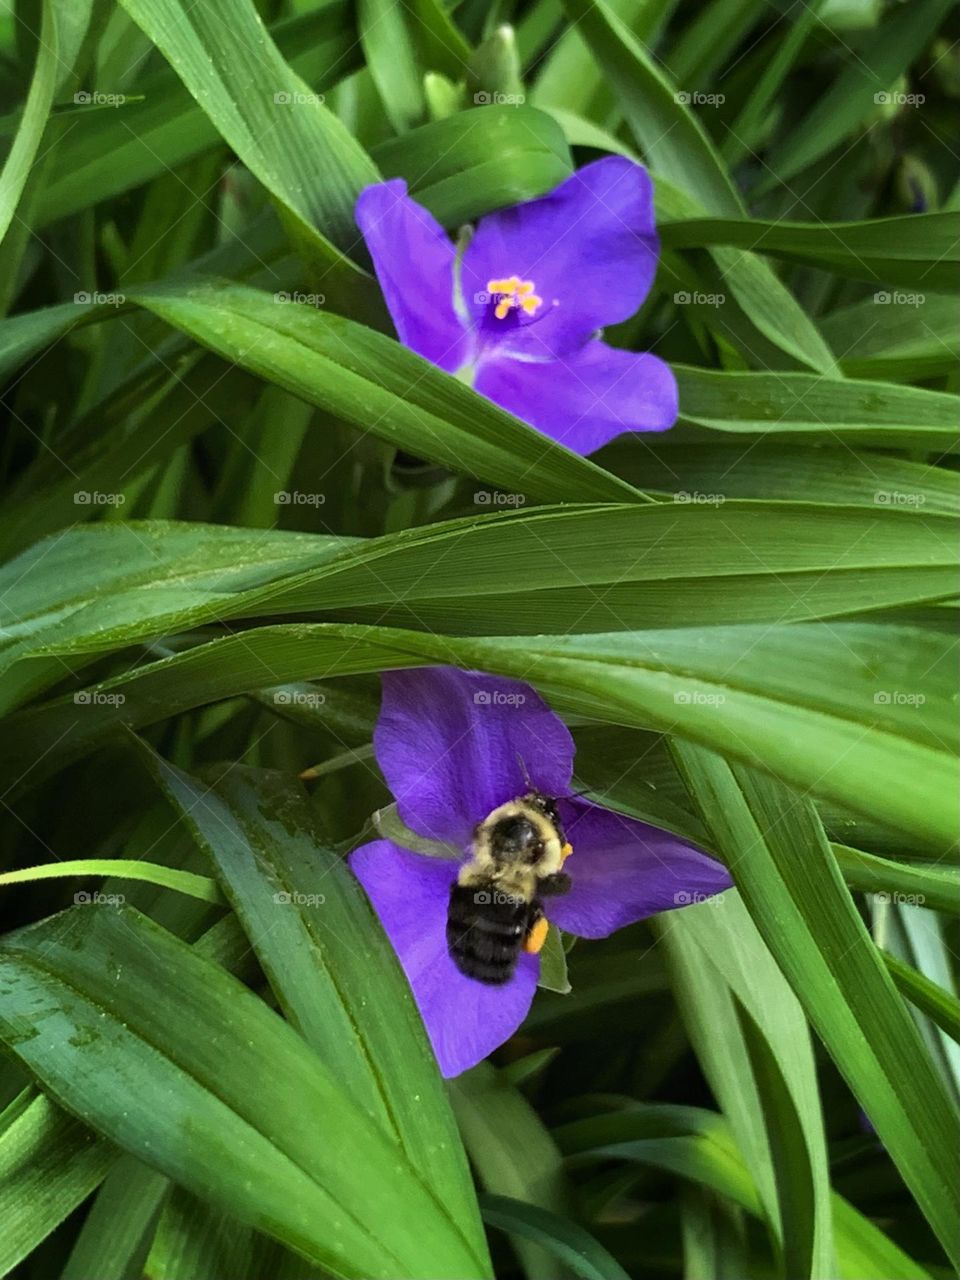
[485,931]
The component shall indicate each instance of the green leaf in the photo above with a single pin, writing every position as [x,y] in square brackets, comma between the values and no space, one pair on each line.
[61,33]
[843,709]
[49,1164]
[319,945]
[792,887]
[112,151]
[695,560]
[379,386]
[195,886]
[801,407]
[919,252]
[753,1044]
[852,96]
[670,135]
[115,1237]
[512,1152]
[567,1241]
[157,1047]
[273,120]
[939,1005]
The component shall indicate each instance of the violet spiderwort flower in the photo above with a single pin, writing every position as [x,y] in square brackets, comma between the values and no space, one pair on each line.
[453,746]
[517,315]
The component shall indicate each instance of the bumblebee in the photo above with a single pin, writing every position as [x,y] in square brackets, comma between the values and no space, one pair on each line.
[495,909]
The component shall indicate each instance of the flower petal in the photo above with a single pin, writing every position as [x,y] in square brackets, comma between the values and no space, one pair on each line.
[585,399]
[450,744]
[465,1019]
[623,870]
[589,248]
[413,258]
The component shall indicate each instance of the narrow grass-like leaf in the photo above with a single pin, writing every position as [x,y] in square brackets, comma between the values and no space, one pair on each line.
[567,1241]
[157,1047]
[317,942]
[49,1164]
[782,865]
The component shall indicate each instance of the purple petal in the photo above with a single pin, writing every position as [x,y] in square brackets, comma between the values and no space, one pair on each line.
[450,744]
[465,1019]
[585,399]
[623,870]
[413,258]
[589,248]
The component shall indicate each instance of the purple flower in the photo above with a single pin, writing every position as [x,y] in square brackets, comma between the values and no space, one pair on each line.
[517,314]
[453,746]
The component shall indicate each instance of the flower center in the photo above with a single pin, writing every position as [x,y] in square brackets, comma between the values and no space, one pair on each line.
[513,292]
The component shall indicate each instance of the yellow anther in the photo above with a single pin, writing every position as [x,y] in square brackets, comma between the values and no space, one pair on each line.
[512,292]
[533,942]
[566,851]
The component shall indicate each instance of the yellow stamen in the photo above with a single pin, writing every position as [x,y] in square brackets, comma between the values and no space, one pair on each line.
[510,292]
[533,943]
[566,851]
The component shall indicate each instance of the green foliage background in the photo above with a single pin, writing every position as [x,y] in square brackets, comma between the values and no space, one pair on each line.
[231,498]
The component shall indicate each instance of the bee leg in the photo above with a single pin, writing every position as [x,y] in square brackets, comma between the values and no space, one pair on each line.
[557,883]
[536,936]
